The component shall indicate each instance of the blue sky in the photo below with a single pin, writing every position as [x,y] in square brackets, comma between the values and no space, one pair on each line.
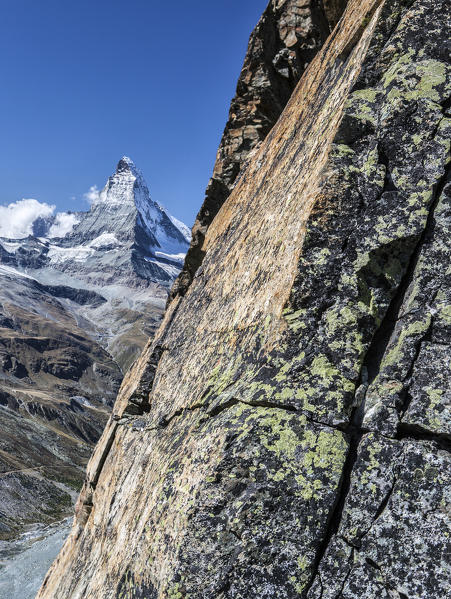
[85,81]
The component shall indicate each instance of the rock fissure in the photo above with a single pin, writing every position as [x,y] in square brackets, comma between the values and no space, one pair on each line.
[385,331]
[416,432]
[246,491]
[106,450]
[384,504]
[346,52]
[212,410]
[165,421]
[346,578]
[405,396]
[335,515]
[369,371]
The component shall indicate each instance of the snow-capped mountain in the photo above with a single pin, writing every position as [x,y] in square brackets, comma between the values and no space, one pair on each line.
[79,299]
[126,221]
[126,248]
[131,212]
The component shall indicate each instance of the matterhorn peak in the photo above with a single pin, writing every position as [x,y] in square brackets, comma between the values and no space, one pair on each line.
[125,210]
[126,164]
[124,186]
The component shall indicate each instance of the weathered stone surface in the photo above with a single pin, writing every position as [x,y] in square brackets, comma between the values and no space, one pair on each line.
[411,389]
[282,436]
[285,40]
[393,539]
[234,491]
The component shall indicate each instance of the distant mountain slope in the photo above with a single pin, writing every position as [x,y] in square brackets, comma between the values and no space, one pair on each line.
[75,311]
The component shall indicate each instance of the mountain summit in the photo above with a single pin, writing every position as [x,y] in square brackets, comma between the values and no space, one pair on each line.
[125,218]
[127,164]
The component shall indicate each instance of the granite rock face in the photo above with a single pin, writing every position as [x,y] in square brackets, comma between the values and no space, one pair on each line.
[286,433]
[285,40]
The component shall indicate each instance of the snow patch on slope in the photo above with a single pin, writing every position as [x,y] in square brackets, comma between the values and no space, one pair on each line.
[79,253]
[184,230]
[105,240]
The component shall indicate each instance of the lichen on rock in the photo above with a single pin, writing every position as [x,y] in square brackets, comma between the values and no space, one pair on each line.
[286,432]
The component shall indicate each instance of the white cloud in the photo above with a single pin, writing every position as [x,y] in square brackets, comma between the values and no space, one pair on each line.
[92,195]
[63,224]
[16,219]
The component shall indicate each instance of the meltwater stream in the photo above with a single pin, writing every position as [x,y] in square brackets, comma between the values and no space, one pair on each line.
[24,563]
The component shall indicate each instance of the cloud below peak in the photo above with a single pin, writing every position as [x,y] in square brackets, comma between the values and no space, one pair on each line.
[92,195]
[16,219]
[21,219]
[63,224]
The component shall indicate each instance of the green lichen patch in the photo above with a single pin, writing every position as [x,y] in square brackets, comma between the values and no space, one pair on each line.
[273,464]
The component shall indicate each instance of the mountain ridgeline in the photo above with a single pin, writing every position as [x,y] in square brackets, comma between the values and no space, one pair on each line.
[285,40]
[75,312]
[143,241]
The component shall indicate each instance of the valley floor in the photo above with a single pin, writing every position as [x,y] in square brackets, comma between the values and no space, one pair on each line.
[24,562]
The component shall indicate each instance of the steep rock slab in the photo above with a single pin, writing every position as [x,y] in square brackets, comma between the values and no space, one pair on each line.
[235,463]
[285,40]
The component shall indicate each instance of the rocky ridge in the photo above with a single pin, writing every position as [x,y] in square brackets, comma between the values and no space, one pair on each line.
[286,434]
[74,313]
[285,40]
